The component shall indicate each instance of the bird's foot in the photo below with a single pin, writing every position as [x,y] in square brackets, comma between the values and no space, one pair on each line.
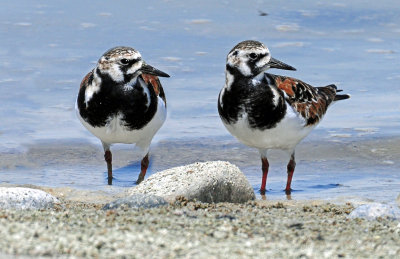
[262,191]
[140,178]
[288,191]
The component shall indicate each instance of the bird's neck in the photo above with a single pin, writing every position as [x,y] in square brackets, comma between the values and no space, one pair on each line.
[106,79]
[234,80]
[106,83]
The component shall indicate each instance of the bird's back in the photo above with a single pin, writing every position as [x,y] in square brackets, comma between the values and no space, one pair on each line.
[310,102]
[154,82]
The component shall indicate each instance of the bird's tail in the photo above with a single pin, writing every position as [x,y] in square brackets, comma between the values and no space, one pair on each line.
[339,97]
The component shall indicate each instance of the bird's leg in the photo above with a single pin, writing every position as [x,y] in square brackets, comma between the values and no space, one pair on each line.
[290,170]
[108,158]
[265,166]
[143,168]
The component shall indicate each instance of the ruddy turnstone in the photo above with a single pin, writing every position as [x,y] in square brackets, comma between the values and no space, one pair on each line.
[122,101]
[267,111]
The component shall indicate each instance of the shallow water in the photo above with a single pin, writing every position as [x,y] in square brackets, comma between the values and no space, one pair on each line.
[47,48]
[331,169]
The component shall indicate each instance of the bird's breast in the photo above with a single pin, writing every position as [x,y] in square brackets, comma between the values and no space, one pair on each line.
[262,106]
[116,129]
[134,105]
[286,133]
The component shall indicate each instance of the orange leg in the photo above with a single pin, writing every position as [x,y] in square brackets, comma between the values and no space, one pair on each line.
[265,166]
[290,170]
[143,168]
[108,158]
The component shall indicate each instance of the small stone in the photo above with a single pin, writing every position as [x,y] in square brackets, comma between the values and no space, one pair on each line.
[138,200]
[220,234]
[178,212]
[376,210]
[25,198]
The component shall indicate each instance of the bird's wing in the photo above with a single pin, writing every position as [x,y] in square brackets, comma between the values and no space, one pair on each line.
[86,79]
[156,84]
[310,102]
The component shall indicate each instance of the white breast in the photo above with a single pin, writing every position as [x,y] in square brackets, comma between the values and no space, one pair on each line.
[286,135]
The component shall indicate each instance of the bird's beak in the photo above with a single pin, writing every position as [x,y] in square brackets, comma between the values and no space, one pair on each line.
[274,63]
[147,69]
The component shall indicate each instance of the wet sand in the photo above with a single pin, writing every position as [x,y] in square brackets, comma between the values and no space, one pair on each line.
[327,167]
[284,229]
[348,153]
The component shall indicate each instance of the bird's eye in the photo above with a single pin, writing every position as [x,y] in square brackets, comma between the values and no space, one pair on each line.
[253,55]
[124,61]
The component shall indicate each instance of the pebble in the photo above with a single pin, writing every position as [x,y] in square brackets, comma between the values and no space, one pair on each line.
[137,201]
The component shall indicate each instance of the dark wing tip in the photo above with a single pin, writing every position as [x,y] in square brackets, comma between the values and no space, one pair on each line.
[339,97]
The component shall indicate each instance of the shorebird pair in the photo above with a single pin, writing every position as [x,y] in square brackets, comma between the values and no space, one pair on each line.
[122,101]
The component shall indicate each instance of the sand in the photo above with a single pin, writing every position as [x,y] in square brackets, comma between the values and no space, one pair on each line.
[283,229]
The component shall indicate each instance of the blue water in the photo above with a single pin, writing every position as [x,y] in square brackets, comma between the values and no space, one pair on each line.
[47,47]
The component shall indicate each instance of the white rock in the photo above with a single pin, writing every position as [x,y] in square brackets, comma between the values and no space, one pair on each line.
[216,181]
[25,198]
[374,210]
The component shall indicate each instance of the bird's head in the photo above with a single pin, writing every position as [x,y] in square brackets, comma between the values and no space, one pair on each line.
[251,58]
[122,64]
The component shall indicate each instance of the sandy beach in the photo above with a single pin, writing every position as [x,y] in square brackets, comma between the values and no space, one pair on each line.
[279,229]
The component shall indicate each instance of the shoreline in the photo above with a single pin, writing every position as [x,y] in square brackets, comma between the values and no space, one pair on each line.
[170,153]
[324,169]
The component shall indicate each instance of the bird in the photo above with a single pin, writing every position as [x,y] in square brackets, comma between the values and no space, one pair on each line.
[122,101]
[267,111]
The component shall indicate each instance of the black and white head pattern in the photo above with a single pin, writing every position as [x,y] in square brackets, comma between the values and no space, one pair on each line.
[121,64]
[249,58]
